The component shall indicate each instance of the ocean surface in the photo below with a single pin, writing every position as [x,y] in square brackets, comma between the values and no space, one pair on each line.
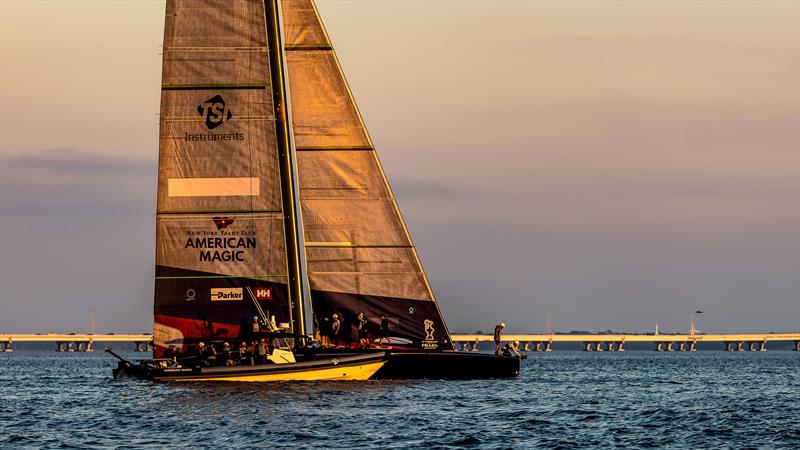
[708,399]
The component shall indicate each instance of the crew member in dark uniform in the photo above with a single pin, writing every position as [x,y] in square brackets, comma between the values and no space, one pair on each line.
[199,354]
[336,326]
[169,353]
[210,355]
[363,335]
[225,356]
[498,330]
[324,332]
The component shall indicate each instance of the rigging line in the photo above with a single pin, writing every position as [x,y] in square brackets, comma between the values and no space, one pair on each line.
[258,307]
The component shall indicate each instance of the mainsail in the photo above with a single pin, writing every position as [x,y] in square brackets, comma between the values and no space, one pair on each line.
[220,214]
[360,256]
[237,106]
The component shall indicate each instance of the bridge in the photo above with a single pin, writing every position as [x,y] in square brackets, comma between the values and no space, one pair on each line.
[616,342]
[469,342]
[73,342]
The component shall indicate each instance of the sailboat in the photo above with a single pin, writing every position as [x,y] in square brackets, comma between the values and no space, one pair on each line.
[274,213]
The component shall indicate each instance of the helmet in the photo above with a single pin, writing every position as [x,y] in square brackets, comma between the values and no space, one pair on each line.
[503,324]
[335,316]
[255,317]
[201,344]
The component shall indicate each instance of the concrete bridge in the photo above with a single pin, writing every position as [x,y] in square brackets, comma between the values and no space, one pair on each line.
[75,342]
[616,342]
[469,342]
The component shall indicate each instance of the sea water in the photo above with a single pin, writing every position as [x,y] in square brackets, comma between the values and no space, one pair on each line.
[708,399]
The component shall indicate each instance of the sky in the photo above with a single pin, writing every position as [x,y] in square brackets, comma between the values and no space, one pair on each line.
[619,163]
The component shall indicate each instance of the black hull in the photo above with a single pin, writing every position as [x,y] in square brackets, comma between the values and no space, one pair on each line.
[447,365]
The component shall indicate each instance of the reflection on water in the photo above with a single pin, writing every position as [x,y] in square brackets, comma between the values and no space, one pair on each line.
[563,399]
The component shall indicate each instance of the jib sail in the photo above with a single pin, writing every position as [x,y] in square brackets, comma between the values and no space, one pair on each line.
[360,256]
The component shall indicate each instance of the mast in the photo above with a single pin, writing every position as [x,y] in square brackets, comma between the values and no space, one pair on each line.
[298,290]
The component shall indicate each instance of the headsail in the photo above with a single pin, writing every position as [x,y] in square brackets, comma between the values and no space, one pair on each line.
[220,220]
[359,254]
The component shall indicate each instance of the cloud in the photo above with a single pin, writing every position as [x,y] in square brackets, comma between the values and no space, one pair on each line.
[64,184]
[73,161]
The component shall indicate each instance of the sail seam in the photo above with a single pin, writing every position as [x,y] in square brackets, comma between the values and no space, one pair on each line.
[220,276]
[338,245]
[231,211]
[324,148]
[291,47]
[198,87]
[214,49]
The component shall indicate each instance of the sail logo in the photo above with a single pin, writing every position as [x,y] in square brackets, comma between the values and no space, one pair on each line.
[263,293]
[214,112]
[225,294]
[429,330]
[222,222]
[430,342]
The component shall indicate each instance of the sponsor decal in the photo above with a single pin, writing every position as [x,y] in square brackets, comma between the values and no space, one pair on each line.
[430,341]
[222,222]
[215,113]
[191,295]
[225,294]
[263,293]
[411,310]
[429,330]
[221,245]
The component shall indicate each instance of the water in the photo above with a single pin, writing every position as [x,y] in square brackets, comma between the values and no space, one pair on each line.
[562,400]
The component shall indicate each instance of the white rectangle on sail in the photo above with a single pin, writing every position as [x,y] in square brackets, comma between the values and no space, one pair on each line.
[213,187]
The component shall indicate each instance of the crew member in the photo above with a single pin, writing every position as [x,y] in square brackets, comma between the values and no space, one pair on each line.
[225,356]
[363,336]
[169,353]
[336,326]
[252,351]
[263,351]
[511,347]
[325,332]
[498,331]
[243,358]
[200,354]
[210,355]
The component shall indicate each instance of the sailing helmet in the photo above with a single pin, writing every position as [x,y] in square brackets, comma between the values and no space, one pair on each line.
[335,316]
[201,344]
[226,345]
[503,324]
[255,317]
